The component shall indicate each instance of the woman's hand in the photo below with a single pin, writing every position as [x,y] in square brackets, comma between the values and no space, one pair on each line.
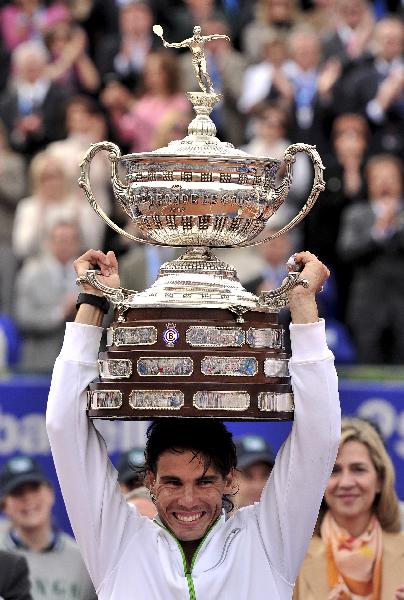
[338,593]
[399,593]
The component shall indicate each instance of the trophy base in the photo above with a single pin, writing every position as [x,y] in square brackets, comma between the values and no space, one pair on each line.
[193,362]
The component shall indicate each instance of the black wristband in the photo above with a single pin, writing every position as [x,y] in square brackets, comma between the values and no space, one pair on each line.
[98,301]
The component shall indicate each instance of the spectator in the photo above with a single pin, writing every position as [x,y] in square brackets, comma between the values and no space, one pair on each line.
[130,475]
[354,24]
[14,577]
[45,297]
[344,177]
[271,15]
[52,200]
[123,57]
[136,121]
[372,240]
[322,16]
[226,67]
[86,124]
[32,106]
[53,558]
[70,64]
[357,550]
[255,459]
[12,188]
[376,89]
[188,14]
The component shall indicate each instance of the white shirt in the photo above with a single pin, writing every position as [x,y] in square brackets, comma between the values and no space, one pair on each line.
[254,554]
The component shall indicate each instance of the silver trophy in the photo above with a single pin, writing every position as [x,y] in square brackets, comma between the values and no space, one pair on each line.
[199,193]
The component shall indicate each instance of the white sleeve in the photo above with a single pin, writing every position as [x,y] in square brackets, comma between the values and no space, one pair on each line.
[97,510]
[290,502]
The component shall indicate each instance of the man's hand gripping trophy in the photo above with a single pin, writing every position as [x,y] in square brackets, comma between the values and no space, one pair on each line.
[196,44]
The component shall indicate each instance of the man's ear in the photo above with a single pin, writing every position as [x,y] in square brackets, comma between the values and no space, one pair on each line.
[230,481]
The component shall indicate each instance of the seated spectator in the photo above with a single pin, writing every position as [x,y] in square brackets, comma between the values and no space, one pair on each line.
[32,106]
[372,241]
[45,297]
[271,15]
[226,67]
[123,56]
[255,459]
[136,121]
[14,577]
[54,561]
[52,200]
[70,64]
[376,88]
[12,189]
[357,550]
[86,124]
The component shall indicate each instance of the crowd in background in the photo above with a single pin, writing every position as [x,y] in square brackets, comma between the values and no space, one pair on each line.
[324,72]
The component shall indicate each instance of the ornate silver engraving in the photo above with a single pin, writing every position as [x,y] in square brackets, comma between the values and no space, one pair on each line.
[115,368]
[156,399]
[104,399]
[132,336]
[165,366]
[218,400]
[266,337]
[276,367]
[275,402]
[238,366]
[217,337]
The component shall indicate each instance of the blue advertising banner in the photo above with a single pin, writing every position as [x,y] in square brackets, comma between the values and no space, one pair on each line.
[22,425]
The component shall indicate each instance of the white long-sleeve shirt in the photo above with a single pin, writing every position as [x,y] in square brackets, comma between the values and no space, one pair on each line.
[252,555]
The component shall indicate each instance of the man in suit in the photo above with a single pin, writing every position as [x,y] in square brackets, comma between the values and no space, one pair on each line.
[14,581]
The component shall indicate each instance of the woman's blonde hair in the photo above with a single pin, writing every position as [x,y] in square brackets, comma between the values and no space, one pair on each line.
[41,161]
[386,507]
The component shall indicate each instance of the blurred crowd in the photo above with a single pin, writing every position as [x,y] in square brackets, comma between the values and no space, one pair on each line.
[324,72]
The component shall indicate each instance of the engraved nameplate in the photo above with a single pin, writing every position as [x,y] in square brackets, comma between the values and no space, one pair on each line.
[104,399]
[165,366]
[226,400]
[115,368]
[215,337]
[156,399]
[132,336]
[275,402]
[276,367]
[229,365]
[265,338]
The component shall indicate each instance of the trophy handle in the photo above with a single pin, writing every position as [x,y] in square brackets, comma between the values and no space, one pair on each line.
[120,188]
[282,191]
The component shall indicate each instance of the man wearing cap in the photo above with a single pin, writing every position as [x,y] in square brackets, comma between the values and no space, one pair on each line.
[129,469]
[56,567]
[255,459]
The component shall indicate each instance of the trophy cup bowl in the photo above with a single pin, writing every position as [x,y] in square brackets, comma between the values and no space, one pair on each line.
[196,343]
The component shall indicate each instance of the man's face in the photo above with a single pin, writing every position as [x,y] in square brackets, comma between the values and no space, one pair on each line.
[188,498]
[29,505]
[251,481]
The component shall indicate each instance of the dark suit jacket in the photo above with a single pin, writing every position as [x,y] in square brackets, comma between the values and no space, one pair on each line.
[14,581]
[312,581]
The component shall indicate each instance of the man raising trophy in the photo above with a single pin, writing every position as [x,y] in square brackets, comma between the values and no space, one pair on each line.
[192,549]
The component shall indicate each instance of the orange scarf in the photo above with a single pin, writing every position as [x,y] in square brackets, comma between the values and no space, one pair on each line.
[354,562]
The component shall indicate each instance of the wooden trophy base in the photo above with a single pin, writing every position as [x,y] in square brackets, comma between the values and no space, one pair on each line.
[193,362]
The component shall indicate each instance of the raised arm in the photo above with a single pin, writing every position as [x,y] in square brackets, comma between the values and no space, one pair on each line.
[184,44]
[291,499]
[100,518]
[215,36]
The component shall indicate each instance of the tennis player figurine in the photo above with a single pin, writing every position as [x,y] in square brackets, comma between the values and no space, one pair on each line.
[196,44]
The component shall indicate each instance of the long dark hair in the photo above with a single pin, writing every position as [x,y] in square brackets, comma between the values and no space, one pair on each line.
[207,439]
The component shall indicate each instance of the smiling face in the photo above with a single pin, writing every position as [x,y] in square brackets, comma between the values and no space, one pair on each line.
[352,488]
[188,497]
[29,506]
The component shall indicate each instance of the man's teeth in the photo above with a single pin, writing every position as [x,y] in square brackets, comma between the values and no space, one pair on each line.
[188,518]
